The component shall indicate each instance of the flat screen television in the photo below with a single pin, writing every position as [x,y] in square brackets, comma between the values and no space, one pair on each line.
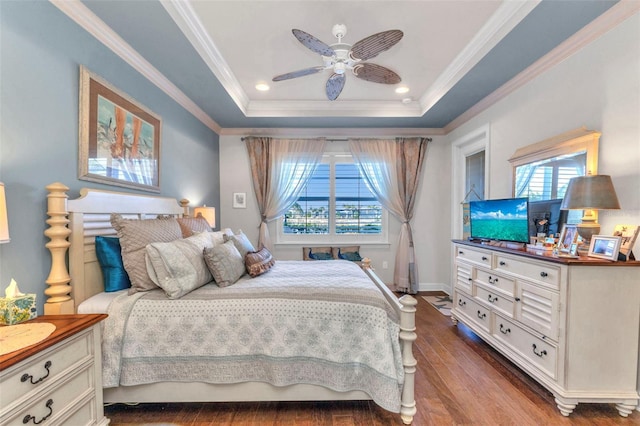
[502,220]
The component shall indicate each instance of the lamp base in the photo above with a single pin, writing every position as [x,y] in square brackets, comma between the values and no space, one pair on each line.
[587,230]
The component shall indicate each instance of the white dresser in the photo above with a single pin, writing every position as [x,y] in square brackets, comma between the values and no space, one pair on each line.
[572,324]
[57,381]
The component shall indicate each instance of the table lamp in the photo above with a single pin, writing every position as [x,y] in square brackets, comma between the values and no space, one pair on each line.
[589,193]
[4,222]
[208,213]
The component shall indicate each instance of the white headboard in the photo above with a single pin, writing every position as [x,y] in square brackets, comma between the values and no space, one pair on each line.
[74,224]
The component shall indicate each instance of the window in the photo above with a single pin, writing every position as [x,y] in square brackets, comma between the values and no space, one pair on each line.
[335,206]
[549,180]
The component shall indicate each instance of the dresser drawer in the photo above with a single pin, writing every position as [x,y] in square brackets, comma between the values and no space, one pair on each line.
[464,277]
[473,311]
[45,367]
[536,351]
[545,273]
[495,299]
[490,279]
[53,405]
[478,256]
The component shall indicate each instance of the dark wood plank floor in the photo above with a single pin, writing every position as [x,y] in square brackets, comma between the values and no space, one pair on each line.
[460,381]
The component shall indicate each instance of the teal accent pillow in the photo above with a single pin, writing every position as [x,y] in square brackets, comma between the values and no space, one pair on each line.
[320,256]
[110,259]
[352,256]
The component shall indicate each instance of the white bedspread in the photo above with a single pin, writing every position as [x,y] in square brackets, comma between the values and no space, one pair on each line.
[322,323]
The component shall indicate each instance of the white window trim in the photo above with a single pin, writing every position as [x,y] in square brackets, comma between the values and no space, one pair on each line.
[331,238]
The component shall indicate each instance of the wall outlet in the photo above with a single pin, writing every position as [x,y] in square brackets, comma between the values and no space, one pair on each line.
[385,264]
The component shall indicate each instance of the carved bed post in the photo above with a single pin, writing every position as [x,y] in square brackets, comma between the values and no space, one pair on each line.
[407,337]
[59,290]
[184,203]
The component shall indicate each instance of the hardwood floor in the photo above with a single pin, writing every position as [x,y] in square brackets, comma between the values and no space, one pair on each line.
[460,381]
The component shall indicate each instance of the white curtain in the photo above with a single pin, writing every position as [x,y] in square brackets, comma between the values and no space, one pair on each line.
[280,170]
[392,169]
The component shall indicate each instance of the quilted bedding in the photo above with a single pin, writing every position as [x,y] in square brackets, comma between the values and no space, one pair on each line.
[322,323]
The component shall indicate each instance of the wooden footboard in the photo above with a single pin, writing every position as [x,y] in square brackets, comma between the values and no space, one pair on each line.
[73,226]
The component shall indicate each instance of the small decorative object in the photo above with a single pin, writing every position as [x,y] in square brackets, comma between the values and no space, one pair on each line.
[16,306]
[629,235]
[366,263]
[568,236]
[239,200]
[119,137]
[605,247]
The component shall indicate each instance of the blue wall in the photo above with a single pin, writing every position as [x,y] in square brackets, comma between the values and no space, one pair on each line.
[41,50]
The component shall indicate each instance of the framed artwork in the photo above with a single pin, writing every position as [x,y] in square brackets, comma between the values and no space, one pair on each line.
[119,138]
[239,200]
[568,236]
[605,247]
[629,235]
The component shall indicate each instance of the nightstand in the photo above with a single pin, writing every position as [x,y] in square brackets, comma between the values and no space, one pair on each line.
[58,380]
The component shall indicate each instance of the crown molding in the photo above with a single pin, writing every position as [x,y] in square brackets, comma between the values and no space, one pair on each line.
[333,109]
[334,132]
[508,15]
[618,13]
[86,19]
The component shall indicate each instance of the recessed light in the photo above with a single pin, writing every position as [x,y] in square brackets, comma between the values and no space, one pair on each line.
[402,89]
[263,87]
[407,100]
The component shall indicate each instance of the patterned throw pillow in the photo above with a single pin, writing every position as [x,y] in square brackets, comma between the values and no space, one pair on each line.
[110,260]
[193,225]
[316,253]
[178,267]
[225,263]
[353,256]
[259,262]
[320,256]
[134,237]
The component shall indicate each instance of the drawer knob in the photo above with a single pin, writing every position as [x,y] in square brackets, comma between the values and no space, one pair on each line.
[460,252]
[29,377]
[492,280]
[461,302]
[503,263]
[470,279]
[492,299]
[484,258]
[29,418]
[517,299]
[544,274]
[539,353]
[481,315]
[504,330]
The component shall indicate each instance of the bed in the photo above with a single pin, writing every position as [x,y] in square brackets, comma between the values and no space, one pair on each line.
[340,335]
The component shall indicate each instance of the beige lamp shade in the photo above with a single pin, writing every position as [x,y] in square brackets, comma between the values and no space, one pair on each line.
[589,193]
[4,222]
[208,213]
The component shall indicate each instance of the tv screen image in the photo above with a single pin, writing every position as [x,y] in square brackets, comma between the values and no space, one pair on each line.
[504,220]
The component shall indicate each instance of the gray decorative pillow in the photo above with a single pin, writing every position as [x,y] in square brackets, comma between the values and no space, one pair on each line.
[134,236]
[178,267]
[225,263]
[241,242]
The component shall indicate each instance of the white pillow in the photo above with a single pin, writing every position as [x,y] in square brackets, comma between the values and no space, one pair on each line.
[178,267]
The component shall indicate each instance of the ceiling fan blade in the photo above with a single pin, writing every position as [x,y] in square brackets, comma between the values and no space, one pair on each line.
[299,73]
[371,46]
[313,43]
[376,73]
[335,85]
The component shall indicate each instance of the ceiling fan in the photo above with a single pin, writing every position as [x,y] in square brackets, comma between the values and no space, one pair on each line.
[340,57]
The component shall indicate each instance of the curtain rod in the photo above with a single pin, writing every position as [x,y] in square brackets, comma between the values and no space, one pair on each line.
[340,140]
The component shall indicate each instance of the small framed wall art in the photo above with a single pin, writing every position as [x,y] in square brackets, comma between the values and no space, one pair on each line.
[605,247]
[119,138]
[239,200]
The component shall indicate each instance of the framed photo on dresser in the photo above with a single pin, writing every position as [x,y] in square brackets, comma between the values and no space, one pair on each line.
[629,235]
[605,247]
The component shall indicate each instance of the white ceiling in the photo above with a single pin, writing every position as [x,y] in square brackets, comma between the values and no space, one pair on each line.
[209,54]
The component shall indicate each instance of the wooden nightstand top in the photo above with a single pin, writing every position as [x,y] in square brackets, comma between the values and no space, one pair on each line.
[66,325]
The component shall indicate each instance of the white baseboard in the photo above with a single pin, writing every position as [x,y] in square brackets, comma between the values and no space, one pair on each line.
[435,287]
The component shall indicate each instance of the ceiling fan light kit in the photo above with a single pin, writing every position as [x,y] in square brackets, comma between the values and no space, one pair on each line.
[340,57]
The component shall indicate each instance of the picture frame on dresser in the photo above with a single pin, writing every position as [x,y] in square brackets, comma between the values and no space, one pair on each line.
[119,138]
[629,235]
[605,247]
[568,237]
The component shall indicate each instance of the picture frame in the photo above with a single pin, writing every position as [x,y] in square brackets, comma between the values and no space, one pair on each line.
[629,235]
[605,247]
[568,236]
[119,138]
[239,200]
